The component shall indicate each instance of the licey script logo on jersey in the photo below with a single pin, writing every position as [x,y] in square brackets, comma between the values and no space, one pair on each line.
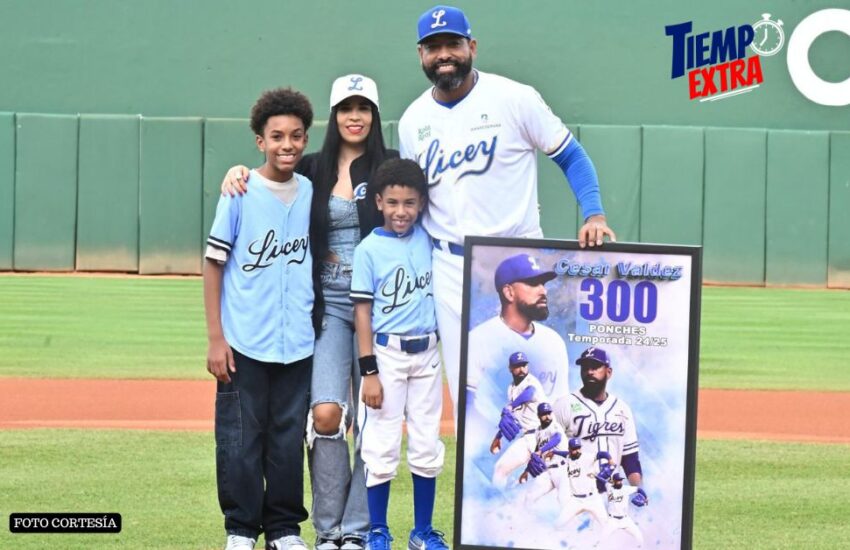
[474,159]
[716,62]
[266,250]
[400,287]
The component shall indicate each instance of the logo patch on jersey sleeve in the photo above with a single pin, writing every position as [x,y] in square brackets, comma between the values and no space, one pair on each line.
[360,191]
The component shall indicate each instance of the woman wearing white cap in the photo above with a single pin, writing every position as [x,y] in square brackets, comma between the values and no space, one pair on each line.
[341,215]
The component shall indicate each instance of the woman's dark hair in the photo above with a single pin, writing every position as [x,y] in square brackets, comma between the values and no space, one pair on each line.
[326,177]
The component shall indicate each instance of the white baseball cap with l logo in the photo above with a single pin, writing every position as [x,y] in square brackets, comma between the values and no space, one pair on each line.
[351,85]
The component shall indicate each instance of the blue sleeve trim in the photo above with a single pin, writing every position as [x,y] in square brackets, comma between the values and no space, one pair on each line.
[523,398]
[563,145]
[361,296]
[631,464]
[553,442]
[581,174]
[219,243]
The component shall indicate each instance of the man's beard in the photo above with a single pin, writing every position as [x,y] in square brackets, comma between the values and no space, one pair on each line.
[533,312]
[448,82]
[545,423]
[593,386]
[519,378]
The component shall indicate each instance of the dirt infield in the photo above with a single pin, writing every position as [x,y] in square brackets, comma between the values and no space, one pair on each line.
[188,405]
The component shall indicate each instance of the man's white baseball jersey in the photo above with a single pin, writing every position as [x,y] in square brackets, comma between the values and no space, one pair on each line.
[618,500]
[519,452]
[607,426]
[618,513]
[526,414]
[580,474]
[479,156]
[492,342]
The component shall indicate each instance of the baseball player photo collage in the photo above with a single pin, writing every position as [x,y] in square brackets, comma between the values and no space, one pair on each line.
[577,409]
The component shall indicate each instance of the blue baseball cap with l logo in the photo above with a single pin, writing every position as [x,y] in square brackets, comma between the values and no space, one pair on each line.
[521,267]
[517,358]
[594,356]
[443,20]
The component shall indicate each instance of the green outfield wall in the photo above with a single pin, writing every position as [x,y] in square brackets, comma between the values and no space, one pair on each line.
[134,194]
[606,62]
[118,118]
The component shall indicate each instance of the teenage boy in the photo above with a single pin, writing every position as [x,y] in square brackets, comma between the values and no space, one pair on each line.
[258,295]
[399,362]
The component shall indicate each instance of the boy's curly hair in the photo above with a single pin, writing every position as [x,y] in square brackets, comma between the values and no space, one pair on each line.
[280,101]
[403,172]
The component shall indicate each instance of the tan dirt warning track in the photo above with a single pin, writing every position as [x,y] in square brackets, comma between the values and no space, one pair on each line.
[189,405]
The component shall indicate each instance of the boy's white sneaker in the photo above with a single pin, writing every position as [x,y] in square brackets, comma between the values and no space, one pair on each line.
[238,542]
[289,542]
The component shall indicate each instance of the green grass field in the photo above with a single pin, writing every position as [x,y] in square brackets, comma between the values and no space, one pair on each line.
[748,494]
[162,483]
[752,338]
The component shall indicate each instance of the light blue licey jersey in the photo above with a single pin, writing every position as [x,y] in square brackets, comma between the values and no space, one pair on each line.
[394,271]
[267,291]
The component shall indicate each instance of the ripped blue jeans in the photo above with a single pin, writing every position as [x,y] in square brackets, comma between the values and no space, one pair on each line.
[339,489]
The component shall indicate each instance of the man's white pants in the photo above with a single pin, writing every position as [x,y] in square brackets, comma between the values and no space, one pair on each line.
[517,453]
[412,385]
[552,478]
[625,523]
[571,507]
[448,300]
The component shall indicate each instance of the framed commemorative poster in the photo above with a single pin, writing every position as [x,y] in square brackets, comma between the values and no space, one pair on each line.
[577,409]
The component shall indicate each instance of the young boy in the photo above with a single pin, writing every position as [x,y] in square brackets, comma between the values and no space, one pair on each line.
[397,337]
[258,295]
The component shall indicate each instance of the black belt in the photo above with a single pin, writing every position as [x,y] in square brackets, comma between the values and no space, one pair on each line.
[583,496]
[618,517]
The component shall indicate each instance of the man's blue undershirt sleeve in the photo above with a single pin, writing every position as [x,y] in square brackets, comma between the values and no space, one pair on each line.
[580,172]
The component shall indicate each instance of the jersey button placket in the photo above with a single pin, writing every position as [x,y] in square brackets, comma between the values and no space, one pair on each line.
[282,277]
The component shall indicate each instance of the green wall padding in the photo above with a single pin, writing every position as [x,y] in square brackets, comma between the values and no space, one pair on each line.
[617,68]
[7,189]
[227,142]
[108,200]
[170,196]
[733,229]
[671,185]
[390,131]
[616,153]
[797,207]
[838,274]
[316,136]
[559,216]
[45,192]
